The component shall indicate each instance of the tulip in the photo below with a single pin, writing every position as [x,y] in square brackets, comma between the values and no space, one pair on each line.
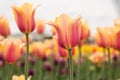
[105,39]
[4,27]
[40,26]
[116,42]
[116,35]
[97,58]
[84,33]
[21,77]
[11,52]
[40,50]
[67,32]
[24,17]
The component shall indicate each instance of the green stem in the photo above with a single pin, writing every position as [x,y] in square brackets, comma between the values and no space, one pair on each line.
[9,67]
[118,66]
[41,70]
[70,65]
[58,72]
[102,73]
[26,57]
[79,57]
[109,65]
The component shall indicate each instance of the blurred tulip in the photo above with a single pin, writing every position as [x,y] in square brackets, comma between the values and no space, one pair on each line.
[23,49]
[40,50]
[31,72]
[104,37]
[11,50]
[52,45]
[21,77]
[84,31]
[88,49]
[4,27]
[67,30]
[116,39]
[48,66]
[117,22]
[24,17]
[40,26]
[97,58]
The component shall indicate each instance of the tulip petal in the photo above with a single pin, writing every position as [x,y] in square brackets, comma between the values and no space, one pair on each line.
[74,32]
[20,19]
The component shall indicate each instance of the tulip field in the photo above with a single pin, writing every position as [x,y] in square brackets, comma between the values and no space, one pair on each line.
[71,53]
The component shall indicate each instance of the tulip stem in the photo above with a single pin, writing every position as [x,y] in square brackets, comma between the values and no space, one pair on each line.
[26,56]
[40,68]
[103,68]
[70,65]
[109,65]
[79,59]
[118,65]
[9,71]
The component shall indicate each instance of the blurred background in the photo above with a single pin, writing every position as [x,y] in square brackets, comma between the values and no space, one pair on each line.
[97,12]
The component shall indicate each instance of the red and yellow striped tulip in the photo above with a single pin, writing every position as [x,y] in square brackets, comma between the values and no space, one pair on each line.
[67,30]
[104,37]
[24,17]
[11,50]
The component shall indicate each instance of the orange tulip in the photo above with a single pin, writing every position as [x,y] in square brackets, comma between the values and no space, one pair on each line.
[84,31]
[67,30]
[40,26]
[11,50]
[4,27]
[24,17]
[104,37]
